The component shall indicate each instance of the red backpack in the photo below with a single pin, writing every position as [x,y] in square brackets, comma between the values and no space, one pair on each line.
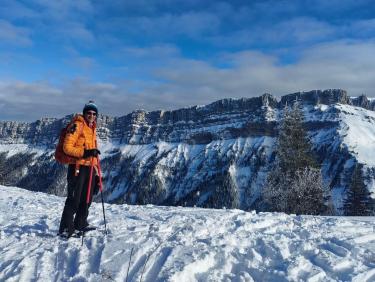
[60,155]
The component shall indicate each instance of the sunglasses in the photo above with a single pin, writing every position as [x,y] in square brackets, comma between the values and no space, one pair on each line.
[91,114]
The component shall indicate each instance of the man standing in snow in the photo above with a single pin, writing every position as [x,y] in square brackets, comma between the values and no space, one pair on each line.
[80,142]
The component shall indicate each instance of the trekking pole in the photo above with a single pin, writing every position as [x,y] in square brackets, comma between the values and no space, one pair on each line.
[88,192]
[101,193]
[90,182]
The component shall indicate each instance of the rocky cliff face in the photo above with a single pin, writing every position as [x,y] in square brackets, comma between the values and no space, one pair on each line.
[213,156]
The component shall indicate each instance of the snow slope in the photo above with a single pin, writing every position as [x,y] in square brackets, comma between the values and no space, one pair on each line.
[358,132]
[180,244]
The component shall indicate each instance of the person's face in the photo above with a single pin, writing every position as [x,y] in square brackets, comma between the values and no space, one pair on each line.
[90,116]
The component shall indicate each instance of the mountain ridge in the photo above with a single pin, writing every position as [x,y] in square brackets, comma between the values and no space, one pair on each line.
[328,96]
[212,156]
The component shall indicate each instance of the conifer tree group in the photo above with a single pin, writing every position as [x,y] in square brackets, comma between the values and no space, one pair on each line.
[358,201]
[294,184]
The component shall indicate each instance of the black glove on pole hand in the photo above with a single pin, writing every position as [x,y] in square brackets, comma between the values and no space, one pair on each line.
[91,153]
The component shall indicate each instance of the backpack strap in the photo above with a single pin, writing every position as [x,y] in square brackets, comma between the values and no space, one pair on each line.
[81,130]
[77,166]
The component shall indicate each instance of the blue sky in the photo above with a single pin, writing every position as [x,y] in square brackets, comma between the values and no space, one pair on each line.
[128,55]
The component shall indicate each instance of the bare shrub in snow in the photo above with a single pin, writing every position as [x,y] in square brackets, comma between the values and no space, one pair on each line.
[301,192]
[306,193]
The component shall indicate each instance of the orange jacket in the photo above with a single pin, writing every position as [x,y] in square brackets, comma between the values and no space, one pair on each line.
[80,136]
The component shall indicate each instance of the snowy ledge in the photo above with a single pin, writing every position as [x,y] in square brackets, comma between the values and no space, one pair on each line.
[180,244]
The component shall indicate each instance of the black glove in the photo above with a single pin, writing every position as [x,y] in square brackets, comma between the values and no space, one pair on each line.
[91,153]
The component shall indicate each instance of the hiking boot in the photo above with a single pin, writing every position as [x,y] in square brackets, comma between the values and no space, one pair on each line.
[88,228]
[66,233]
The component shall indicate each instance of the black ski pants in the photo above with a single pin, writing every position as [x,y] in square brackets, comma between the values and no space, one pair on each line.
[76,210]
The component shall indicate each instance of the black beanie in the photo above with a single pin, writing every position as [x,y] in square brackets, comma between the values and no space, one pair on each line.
[90,106]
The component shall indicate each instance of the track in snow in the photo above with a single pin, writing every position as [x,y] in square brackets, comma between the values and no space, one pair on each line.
[180,244]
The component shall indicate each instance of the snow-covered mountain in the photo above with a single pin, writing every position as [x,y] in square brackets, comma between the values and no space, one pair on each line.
[150,243]
[216,155]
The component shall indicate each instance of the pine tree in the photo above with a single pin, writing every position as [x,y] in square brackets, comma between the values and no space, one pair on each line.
[2,167]
[358,201]
[294,147]
[275,191]
[294,184]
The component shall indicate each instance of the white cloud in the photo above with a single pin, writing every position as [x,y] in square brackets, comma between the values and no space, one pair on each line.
[13,10]
[84,63]
[63,21]
[77,32]
[294,31]
[64,9]
[14,35]
[181,82]
[362,28]
[154,51]
[189,24]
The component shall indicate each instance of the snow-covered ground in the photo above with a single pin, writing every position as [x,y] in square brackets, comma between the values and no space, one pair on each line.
[180,244]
